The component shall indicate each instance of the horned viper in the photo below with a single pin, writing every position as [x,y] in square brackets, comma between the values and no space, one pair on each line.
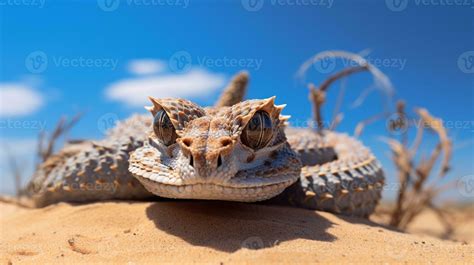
[235,151]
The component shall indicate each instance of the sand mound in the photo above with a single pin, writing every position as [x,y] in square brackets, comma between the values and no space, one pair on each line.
[209,232]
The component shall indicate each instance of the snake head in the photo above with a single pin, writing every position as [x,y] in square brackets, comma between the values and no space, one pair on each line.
[237,153]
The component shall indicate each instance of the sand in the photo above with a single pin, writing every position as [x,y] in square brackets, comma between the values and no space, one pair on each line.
[208,232]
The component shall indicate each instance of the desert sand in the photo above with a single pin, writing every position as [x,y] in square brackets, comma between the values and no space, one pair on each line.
[209,232]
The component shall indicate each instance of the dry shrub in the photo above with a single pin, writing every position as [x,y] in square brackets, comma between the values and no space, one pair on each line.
[45,149]
[414,171]
[414,194]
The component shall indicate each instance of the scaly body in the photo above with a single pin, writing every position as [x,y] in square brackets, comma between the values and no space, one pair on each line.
[238,151]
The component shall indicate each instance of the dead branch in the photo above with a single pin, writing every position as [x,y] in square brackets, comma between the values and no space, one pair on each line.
[443,216]
[402,114]
[437,125]
[336,115]
[346,72]
[418,139]
[380,79]
[318,95]
[362,124]
[363,95]
[402,160]
[414,196]
[423,170]
[62,127]
[336,121]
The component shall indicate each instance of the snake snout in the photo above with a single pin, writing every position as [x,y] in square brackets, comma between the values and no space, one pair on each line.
[206,156]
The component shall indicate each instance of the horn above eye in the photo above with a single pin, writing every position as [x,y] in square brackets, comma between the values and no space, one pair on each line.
[164,129]
[258,132]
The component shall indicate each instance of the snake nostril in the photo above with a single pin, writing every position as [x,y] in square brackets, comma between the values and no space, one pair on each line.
[219,161]
[226,142]
[187,142]
[191,160]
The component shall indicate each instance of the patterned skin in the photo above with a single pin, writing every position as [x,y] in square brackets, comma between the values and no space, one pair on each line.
[208,159]
[237,151]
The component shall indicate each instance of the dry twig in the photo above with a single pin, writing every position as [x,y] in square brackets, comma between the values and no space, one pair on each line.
[318,95]
[414,196]
[45,150]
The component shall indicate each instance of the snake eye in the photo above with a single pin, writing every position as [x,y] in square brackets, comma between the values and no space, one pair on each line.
[258,131]
[164,129]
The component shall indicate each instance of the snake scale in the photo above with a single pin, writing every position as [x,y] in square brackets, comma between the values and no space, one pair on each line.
[236,151]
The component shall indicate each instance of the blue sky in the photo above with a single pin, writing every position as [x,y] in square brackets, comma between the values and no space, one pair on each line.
[104,57]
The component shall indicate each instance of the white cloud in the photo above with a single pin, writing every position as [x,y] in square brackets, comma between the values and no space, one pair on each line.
[195,83]
[146,66]
[18,100]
